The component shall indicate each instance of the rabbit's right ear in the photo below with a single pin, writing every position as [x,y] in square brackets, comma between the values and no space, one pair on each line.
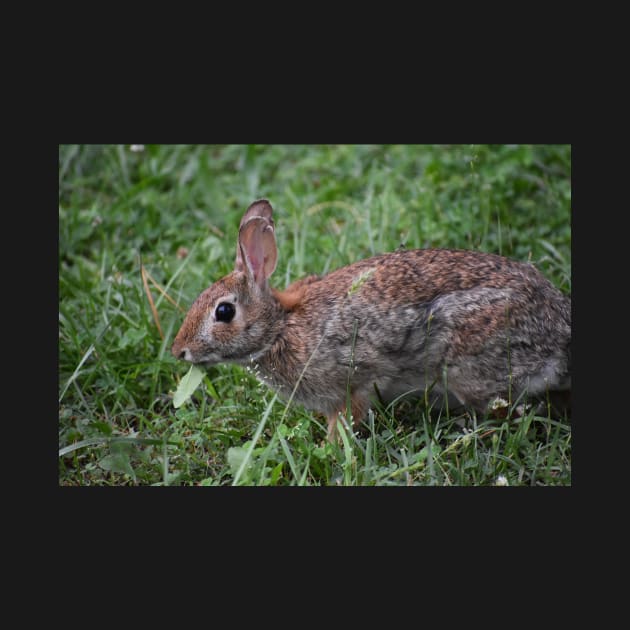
[256,251]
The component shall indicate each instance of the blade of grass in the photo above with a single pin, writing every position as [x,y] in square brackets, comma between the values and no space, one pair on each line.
[156,317]
[162,291]
[289,456]
[85,357]
[109,440]
[250,450]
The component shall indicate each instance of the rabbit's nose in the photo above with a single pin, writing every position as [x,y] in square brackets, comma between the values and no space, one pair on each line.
[183,354]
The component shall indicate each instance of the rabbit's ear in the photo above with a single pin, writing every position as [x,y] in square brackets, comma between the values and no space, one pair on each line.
[261,208]
[256,250]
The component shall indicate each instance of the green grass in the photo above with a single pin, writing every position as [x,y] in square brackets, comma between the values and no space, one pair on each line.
[120,209]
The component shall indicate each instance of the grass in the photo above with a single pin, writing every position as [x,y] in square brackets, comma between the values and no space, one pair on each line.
[174,211]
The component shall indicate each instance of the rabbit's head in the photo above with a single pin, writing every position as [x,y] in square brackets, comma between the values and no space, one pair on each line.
[234,320]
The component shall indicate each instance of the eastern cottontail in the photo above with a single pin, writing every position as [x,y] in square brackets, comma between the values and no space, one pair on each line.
[468,325]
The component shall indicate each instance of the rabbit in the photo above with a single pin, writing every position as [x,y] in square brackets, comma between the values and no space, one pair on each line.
[466,326]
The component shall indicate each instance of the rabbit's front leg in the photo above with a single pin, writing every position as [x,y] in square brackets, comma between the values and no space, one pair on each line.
[358,408]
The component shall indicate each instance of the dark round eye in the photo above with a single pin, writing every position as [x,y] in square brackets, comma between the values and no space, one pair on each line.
[225,312]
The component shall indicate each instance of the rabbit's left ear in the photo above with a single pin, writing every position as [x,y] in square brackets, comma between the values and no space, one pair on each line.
[256,251]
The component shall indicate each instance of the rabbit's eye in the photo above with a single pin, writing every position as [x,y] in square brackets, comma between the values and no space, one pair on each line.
[225,312]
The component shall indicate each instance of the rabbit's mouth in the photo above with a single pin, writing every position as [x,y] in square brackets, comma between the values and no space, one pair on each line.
[202,360]
[210,361]
[213,359]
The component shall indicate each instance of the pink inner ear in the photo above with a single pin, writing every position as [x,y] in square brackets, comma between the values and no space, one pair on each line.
[254,261]
[257,245]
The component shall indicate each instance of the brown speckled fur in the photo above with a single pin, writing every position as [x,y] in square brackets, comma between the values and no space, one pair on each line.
[468,325]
